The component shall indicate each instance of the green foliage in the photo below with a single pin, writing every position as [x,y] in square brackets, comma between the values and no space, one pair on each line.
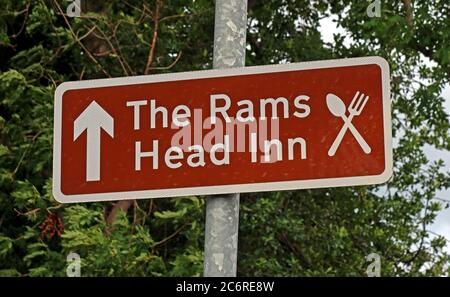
[314,232]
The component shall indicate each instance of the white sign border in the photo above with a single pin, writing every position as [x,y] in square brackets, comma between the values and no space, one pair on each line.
[234,188]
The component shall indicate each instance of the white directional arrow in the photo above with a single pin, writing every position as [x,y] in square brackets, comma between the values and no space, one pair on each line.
[93,119]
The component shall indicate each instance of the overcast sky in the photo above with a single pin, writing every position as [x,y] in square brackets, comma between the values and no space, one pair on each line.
[442,224]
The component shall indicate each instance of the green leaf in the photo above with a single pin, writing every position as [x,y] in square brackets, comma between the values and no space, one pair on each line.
[167,214]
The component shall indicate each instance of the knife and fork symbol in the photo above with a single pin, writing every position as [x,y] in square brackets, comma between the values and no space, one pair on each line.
[338,109]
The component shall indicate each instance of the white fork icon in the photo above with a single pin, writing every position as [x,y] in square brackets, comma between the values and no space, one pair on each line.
[337,108]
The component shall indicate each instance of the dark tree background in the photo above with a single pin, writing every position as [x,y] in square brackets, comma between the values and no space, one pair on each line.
[309,232]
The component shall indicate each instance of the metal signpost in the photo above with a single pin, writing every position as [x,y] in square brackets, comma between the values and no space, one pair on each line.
[222,212]
[229,130]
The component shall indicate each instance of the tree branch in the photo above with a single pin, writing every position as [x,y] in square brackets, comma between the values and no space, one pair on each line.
[78,40]
[171,64]
[409,13]
[121,205]
[151,52]
[26,11]
[113,49]
[171,235]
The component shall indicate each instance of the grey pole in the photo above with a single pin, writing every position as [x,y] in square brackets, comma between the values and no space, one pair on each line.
[222,211]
